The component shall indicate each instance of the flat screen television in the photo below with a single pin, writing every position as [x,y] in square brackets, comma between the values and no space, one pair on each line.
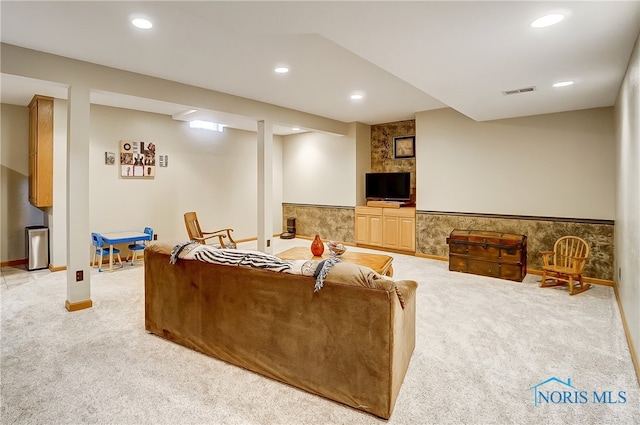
[388,186]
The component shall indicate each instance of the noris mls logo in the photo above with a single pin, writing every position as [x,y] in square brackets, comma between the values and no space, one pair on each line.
[556,391]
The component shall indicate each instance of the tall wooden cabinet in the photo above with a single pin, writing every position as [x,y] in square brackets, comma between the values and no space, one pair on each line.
[391,228]
[41,151]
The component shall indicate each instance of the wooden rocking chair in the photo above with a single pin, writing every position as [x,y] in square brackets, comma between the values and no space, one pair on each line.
[564,265]
[196,234]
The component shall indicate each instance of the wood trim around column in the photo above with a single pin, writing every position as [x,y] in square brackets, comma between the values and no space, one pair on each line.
[78,306]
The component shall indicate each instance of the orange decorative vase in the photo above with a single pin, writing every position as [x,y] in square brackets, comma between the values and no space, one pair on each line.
[317,247]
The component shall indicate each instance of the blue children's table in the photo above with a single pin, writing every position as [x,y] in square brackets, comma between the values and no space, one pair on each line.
[115,238]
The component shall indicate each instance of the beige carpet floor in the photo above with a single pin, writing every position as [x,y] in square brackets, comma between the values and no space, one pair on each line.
[482,344]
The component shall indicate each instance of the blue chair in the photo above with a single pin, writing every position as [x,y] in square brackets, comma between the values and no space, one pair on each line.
[135,247]
[101,251]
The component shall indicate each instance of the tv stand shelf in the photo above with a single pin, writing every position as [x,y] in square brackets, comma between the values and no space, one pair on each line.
[389,204]
[390,228]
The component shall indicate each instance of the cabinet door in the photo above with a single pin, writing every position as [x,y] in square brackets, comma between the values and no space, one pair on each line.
[407,234]
[362,229]
[375,230]
[41,151]
[390,232]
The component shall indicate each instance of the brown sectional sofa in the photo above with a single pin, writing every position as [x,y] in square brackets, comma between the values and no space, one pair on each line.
[350,342]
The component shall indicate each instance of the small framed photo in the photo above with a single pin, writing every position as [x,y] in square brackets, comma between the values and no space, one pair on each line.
[109,158]
[404,147]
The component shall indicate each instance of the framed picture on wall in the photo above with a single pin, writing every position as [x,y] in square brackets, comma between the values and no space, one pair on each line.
[137,159]
[404,147]
[109,158]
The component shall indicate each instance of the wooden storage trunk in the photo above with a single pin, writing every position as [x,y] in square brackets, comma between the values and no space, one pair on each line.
[493,254]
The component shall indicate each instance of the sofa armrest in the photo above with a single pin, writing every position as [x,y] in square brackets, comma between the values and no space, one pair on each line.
[406,290]
[163,247]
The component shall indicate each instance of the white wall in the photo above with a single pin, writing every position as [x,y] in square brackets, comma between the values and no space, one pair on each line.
[16,212]
[211,173]
[627,229]
[319,169]
[555,165]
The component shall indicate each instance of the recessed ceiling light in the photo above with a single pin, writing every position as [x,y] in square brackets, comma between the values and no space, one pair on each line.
[281,70]
[563,84]
[356,96]
[143,24]
[547,20]
[296,129]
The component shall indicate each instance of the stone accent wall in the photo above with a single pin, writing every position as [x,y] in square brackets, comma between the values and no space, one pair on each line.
[331,223]
[382,159]
[432,229]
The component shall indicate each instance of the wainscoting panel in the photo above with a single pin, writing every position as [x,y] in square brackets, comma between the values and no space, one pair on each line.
[433,228]
[330,222]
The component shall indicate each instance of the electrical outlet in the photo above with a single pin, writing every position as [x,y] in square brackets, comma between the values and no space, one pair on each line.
[155,236]
[79,276]
[268,243]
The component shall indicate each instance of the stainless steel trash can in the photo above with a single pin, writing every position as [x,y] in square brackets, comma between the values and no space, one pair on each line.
[37,244]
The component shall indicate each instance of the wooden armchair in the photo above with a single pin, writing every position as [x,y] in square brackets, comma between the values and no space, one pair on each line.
[196,234]
[564,265]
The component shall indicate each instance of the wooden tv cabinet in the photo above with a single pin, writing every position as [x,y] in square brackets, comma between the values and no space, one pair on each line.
[388,228]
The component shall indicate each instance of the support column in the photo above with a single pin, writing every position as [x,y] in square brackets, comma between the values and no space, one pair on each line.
[265,186]
[78,231]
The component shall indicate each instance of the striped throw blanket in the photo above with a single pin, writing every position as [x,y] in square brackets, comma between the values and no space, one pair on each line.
[237,257]
[230,257]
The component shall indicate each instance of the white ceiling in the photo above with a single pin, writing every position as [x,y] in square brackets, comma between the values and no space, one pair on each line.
[405,57]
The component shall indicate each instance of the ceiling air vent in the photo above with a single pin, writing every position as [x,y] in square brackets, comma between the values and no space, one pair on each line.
[516,91]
